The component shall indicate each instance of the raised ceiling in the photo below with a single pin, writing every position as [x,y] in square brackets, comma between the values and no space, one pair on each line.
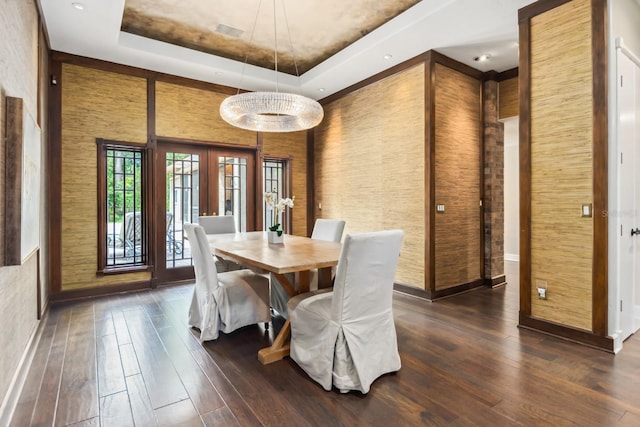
[244,30]
[337,43]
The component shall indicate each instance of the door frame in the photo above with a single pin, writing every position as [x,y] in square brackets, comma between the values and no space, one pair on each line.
[208,153]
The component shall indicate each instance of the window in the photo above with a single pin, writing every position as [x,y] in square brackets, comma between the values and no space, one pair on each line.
[123,224]
[275,177]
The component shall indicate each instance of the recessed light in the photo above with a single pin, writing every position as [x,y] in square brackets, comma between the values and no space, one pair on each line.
[482,58]
[78,6]
[321,89]
[387,57]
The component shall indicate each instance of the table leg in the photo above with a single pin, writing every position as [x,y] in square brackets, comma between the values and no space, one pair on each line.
[280,347]
[324,278]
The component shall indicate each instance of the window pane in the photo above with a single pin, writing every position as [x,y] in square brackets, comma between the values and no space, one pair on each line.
[182,205]
[273,172]
[126,239]
[232,190]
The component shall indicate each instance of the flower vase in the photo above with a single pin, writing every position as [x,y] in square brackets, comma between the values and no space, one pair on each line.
[273,238]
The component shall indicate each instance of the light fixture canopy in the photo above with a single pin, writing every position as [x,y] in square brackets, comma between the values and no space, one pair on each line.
[272,111]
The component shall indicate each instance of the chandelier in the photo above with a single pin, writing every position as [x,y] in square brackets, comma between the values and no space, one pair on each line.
[272,111]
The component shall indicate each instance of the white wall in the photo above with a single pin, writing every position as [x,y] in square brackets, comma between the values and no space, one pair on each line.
[624,22]
[511,190]
[18,78]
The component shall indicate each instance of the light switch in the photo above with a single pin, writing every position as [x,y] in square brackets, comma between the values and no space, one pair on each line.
[586,210]
[439,208]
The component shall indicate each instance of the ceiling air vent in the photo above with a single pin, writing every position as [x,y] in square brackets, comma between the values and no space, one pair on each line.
[228,31]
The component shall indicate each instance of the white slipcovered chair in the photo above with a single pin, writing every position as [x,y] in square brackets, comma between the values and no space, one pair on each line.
[347,337]
[324,229]
[220,225]
[226,301]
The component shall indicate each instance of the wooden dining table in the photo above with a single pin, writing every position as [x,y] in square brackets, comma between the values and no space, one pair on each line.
[298,255]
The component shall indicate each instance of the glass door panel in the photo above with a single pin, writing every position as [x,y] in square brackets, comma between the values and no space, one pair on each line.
[194,180]
[232,189]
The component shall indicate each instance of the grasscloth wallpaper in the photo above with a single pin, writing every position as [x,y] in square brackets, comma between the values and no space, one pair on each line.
[457,177]
[561,163]
[95,104]
[370,164]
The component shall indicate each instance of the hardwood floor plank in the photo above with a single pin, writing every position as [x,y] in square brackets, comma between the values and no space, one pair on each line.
[179,414]
[464,363]
[120,327]
[203,394]
[115,410]
[110,373]
[235,402]
[92,422]
[141,408]
[161,379]
[33,382]
[129,360]
[46,405]
[220,418]
[78,399]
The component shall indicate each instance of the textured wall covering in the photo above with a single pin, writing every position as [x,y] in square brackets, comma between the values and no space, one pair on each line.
[95,104]
[292,145]
[190,113]
[561,163]
[508,98]
[370,164]
[493,185]
[18,78]
[457,178]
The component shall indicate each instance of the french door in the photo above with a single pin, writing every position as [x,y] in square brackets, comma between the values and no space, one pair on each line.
[193,181]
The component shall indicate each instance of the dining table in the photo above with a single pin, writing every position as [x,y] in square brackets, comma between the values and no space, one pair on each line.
[296,254]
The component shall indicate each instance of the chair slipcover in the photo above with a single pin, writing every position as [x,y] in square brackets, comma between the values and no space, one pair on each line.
[226,301]
[324,229]
[347,337]
[220,225]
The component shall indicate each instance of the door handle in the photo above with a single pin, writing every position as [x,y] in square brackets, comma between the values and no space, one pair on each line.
[635,231]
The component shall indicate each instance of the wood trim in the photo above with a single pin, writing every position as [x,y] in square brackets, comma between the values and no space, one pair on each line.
[454,290]
[149,182]
[140,72]
[490,75]
[201,143]
[524,91]
[311,181]
[565,332]
[429,185]
[526,13]
[423,57]
[13,180]
[54,178]
[496,282]
[410,290]
[455,65]
[508,74]
[600,168]
[481,202]
[259,180]
[96,291]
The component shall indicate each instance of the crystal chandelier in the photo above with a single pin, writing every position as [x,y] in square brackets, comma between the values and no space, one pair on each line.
[272,111]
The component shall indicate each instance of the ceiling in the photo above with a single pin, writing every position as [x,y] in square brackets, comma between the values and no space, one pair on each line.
[323,45]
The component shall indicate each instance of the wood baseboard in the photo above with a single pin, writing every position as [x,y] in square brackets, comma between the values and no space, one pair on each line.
[97,291]
[496,282]
[566,332]
[410,290]
[17,382]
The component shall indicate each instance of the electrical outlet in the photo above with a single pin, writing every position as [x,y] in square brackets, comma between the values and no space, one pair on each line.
[541,285]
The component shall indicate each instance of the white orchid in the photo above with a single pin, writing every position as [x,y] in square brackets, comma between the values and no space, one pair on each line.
[277,207]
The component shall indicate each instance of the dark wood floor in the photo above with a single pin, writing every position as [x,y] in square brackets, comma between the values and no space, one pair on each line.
[131,360]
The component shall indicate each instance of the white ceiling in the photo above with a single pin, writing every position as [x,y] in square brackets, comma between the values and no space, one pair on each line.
[460,29]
